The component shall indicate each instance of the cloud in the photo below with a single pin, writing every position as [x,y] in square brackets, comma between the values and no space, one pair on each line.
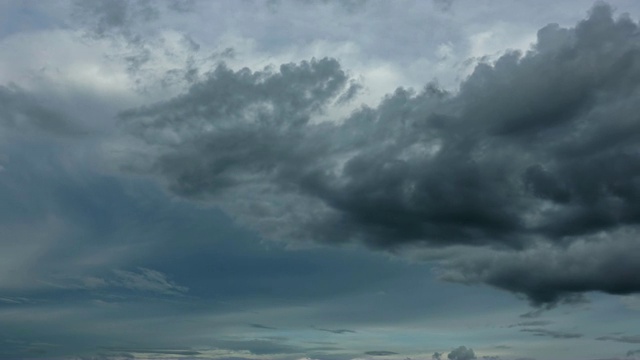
[104,18]
[632,352]
[553,334]
[547,274]
[23,112]
[461,353]
[15,300]
[257,347]
[443,5]
[629,339]
[380,353]
[532,323]
[534,158]
[260,326]
[336,331]
[180,352]
[144,279]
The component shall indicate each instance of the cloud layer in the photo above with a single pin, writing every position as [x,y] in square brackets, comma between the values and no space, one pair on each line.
[536,156]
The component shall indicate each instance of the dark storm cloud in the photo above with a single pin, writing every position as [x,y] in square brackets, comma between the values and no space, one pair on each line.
[533,154]
[21,111]
[547,274]
[630,339]
[553,334]
[461,353]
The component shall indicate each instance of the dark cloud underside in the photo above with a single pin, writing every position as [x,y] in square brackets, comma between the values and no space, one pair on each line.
[536,154]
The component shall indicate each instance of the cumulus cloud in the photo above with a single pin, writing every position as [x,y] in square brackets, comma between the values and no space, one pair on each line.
[535,158]
[547,274]
[461,353]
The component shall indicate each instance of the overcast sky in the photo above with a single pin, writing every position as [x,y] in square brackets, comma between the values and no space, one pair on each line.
[239,179]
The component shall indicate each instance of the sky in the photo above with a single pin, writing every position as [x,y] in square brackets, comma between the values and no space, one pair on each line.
[326,180]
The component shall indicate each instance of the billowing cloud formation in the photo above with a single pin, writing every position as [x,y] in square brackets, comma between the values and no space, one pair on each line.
[547,274]
[535,156]
[461,353]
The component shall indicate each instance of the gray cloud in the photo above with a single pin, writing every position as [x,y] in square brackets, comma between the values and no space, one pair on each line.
[144,279]
[553,334]
[260,326]
[630,339]
[123,352]
[380,353]
[182,6]
[532,323]
[515,161]
[106,18]
[336,331]
[147,280]
[21,111]
[547,274]
[443,5]
[258,347]
[461,353]
[633,352]
[127,24]
[532,314]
